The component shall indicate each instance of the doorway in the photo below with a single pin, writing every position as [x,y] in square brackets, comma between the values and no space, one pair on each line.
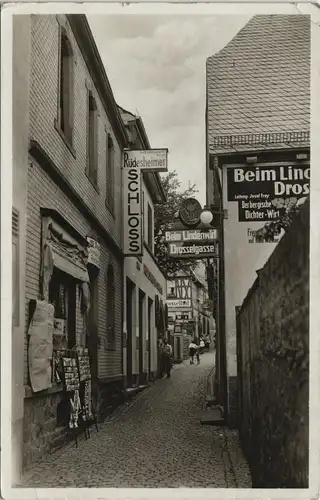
[129,300]
[141,329]
[150,304]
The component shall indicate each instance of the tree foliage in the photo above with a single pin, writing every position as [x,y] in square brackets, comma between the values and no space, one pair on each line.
[164,216]
[271,230]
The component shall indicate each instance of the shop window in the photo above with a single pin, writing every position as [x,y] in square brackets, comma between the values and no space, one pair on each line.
[171,288]
[150,227]
[110,174]
[110,307]
[62,294]
[15,268]
[92,138]
[66,87]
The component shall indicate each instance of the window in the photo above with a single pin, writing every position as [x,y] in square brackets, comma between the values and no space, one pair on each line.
[62,294]
[110,174]
[15,268]
[110,307]
[171,288]
[92,136]
[66,87]
[150,228]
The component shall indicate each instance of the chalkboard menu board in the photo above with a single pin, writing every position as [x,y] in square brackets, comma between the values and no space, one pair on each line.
[71,375]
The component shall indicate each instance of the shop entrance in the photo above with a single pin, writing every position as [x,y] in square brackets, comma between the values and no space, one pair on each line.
[129,300]
[141,330]
[150,304]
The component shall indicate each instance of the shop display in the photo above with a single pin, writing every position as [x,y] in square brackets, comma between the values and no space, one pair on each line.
[87,404]
[71,376]
[75,406]
[84,366]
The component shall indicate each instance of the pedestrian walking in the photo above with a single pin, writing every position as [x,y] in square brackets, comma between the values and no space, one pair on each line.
[198,355]
[160,358]
[166,357]
[202,345]
[192,351]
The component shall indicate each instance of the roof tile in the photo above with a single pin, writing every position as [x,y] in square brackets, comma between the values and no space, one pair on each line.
[260,82]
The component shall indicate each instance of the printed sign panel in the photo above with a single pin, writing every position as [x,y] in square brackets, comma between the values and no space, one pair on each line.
[155,160]
[203,235]
[132,220]
[261,191]
[179,303]
[181,250]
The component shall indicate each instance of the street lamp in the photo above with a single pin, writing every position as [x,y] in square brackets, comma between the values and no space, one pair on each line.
[206,216]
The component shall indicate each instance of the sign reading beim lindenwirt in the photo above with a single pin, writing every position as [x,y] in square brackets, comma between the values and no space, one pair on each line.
[259,190]
[192,244]
[135,161]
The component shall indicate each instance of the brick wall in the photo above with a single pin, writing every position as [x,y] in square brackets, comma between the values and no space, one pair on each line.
[273,364]
[42,191]
[40,427]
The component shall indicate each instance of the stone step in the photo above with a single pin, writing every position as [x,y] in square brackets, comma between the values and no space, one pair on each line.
[131,391]
[214,416]
[211,400]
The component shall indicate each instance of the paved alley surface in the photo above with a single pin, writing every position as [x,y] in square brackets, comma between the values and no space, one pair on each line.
[155,441]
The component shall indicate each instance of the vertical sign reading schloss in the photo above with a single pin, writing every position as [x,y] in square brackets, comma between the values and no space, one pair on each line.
[135,161]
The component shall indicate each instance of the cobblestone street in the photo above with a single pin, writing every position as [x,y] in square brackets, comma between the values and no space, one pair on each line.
[155,441]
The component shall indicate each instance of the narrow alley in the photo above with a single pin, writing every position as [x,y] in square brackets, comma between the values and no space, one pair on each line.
[154,441]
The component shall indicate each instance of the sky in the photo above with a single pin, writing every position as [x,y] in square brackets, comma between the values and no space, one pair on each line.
[156,67]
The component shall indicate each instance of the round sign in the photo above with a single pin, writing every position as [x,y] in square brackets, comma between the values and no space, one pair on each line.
[190,211]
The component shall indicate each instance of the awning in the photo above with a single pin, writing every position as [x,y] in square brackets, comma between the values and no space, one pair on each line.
[67,260]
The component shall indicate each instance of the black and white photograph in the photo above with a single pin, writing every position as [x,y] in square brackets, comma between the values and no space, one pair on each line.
[156,187]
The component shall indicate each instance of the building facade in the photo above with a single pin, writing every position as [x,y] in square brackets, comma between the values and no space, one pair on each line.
[144,284]
[189,313]
[20,114]
[257,122]
[74,220]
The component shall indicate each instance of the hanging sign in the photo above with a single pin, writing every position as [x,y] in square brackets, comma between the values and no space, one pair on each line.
[132,221]
[180,250]
[204,235]
[153,160]
[261,191]
[190,211]
[179,303]
[135,161]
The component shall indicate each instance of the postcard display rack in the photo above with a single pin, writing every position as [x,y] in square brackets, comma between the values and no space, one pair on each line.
[76,376]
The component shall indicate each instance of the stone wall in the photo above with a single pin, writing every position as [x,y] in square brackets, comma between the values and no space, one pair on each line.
[41,433]
[273,364]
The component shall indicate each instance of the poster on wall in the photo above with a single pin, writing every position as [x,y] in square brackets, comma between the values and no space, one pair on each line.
[261,192]
[40,348]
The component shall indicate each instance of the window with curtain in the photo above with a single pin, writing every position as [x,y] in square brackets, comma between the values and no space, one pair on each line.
[66,89]
[110,174]
[110,307]
[92,138]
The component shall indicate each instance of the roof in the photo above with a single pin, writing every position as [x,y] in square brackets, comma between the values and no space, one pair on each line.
[260,84]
